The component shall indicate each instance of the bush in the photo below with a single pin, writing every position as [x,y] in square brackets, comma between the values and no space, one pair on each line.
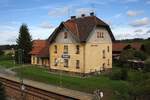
[119,74]
[124,74]
[147,48]
[1,52]
[140,55]
[147,65]
[126,55]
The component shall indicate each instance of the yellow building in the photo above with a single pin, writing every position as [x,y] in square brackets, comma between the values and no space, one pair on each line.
[81,45]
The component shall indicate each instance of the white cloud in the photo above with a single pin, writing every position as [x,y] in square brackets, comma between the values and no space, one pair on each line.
[127,32]
[41,33]
[132,13]
[46,25]
[140,22]
[148,31]
[138,31]
[57,12]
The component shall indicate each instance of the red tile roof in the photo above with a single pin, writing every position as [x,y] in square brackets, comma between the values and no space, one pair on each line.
[120,46]
[81,27]
[40,48]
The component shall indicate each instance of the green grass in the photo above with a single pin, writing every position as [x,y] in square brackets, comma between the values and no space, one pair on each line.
[88,84]
[7,64]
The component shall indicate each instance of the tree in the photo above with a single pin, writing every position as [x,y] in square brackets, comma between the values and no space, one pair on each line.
[24,43]
[147,65]
[1,52]
[127,55]
[147,48]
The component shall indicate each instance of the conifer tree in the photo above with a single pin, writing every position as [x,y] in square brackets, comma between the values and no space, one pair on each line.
[24,44]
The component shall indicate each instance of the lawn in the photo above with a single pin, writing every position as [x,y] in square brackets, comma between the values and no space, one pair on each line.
[114,89]
[88,84]
[7,64]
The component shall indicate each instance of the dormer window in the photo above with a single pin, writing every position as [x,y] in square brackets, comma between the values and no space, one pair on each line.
[65,35]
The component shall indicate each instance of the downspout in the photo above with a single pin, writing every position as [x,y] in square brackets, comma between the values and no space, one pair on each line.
[84,59]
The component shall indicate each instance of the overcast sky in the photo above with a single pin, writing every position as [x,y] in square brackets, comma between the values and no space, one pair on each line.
[127,18]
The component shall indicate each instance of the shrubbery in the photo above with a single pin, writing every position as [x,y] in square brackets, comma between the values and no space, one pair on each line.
[147,65]
[119,74]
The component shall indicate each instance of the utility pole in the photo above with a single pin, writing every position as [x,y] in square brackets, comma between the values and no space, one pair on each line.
[20,61]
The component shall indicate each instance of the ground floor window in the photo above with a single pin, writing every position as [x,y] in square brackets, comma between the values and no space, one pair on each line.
[55,62]
[103,66]
[108,62]
[33,60]
[65,62]
[77,64]
[38,60]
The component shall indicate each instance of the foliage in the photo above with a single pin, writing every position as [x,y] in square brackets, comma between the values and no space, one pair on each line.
[121,74]
[1,52]
[147,65]
[5,57]
[140,55]
[130,54]
[139,85]
[2,92]
[24,43]
[126,55]
[147,47]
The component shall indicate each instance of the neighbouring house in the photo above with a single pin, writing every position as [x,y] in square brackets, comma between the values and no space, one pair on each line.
[118,47]
[8,49]
[40,53]
[81,45]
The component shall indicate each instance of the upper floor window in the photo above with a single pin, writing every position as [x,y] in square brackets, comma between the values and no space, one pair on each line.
[104,54]
[108,62]
[65,48]
[77,49]
[100,35]
[65,35]
[65,62]
[55,49]
[77,64]
[108,48]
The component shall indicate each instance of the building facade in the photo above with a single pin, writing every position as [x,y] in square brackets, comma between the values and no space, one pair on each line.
[81,45]
[40,53]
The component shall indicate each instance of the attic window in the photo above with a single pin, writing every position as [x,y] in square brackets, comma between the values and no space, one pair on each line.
[65,35]
[100,35]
